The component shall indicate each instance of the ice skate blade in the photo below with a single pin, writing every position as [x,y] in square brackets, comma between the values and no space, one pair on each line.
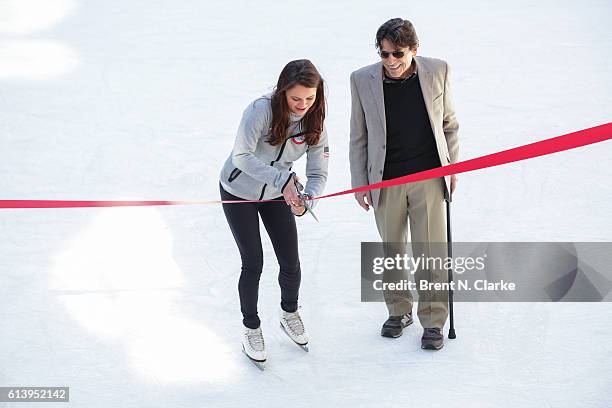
[261,364]
[302,346]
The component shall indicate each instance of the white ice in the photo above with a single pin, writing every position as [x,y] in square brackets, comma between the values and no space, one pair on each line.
[138,307]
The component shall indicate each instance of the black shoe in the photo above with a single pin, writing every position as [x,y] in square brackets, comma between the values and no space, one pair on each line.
[432,339]
[394,325]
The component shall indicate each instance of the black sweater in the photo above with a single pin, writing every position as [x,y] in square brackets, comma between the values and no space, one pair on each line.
[411,146]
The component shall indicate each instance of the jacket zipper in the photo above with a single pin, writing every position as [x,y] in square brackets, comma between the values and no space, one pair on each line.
[234,174]
[263,189]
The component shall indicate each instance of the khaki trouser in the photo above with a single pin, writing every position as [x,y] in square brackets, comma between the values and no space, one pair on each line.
[422,203]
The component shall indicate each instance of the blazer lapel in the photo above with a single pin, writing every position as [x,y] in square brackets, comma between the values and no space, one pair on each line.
[426,81]
[376,86]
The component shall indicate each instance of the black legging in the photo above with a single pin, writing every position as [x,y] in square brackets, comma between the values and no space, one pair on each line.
[279,221]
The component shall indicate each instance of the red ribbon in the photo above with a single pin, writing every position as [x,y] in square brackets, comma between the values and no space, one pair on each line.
[548,146]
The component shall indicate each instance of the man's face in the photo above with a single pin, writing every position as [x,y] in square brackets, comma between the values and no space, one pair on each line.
[395,67]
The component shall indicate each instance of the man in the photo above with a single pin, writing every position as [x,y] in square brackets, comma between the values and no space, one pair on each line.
[403,122]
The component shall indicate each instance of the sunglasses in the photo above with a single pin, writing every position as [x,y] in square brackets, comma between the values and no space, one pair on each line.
[396,54]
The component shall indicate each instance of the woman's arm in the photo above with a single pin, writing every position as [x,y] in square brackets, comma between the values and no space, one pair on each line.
[254,125]
[317,159]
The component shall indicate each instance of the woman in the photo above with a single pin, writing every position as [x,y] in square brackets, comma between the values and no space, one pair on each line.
[275,130]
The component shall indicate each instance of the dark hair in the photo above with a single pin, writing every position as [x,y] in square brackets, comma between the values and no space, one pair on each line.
[298,72]
[398,31]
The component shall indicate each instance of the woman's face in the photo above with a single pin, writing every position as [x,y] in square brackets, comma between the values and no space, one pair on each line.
[300,99]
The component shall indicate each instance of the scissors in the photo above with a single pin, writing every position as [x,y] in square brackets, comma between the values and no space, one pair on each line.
[304,198]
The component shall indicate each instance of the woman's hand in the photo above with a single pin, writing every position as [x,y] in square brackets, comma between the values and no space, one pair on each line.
[290,193]
[299,210]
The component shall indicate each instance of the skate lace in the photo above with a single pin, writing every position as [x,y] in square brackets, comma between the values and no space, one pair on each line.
[294,321]
[256,340]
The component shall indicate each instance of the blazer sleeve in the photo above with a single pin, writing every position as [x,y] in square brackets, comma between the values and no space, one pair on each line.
[450,126]
[358,144]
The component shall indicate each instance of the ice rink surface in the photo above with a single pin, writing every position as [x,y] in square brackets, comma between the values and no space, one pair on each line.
[138,307]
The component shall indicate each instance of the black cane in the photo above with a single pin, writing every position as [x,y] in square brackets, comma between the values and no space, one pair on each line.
[451,331]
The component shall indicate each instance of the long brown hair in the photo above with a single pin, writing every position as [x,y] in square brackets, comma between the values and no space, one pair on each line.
[298,72]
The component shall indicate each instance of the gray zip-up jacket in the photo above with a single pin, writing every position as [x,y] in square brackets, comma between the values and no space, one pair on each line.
[256,170]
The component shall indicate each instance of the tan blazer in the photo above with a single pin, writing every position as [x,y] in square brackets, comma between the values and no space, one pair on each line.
[368,125]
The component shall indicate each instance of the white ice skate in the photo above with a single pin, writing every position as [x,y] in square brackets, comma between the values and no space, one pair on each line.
[254,347]
[292,324]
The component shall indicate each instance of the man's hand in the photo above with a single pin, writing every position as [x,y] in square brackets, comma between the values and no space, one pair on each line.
[364,199]
[453,183]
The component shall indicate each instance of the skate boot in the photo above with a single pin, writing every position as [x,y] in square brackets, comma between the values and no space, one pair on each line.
[253,346]
[292,324]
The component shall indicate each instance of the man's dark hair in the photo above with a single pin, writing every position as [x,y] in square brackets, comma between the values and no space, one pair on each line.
[398,31]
